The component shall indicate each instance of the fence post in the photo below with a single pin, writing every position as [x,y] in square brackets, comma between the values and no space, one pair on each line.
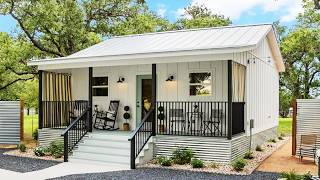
[22,120]
[294,128]
[132,153]
[65,147]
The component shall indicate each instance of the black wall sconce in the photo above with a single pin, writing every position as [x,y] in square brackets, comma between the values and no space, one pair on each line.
[170,78]
[121,80]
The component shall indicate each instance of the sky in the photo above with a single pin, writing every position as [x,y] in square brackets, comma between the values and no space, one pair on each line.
[240,11]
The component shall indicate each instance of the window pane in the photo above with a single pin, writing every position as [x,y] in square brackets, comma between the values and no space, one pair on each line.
[200,78]
[100,81]
[100,91]
[200,90]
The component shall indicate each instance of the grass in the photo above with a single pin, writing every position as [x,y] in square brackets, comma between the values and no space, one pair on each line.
[285,126]
[30,126]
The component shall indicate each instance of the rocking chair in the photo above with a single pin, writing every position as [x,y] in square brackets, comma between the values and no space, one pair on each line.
[103,118]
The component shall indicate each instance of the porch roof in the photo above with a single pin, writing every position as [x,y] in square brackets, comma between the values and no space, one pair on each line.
[164,47]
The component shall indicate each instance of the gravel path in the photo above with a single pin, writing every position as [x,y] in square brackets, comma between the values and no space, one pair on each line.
[154,173]
[23,164]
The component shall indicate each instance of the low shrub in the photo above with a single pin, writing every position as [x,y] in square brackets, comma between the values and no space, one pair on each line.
[259,148]
[239,164]
[197,163]
[307,176]
[22,147]
[39,151]
[159,159]
[282,135]
[35,134]
[55,149]
[182,155]
[213,165]
[280,138]
[248,155]
[291,176]
[272,140]
[165,161]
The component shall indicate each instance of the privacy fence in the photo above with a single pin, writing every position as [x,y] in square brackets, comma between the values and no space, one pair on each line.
[306,120]
[11,122]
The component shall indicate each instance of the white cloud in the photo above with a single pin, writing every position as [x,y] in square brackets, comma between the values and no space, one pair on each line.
[234,9]
[161,10]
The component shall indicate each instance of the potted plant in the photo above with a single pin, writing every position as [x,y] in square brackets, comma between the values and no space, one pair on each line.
[126,116]
[161,118]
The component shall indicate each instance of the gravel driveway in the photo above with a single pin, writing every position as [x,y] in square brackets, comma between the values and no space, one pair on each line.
[23,164]
[153,173]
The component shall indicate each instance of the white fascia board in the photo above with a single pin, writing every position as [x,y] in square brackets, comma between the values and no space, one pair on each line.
[132,59]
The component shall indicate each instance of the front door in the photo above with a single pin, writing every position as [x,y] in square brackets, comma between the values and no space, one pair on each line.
[144,93]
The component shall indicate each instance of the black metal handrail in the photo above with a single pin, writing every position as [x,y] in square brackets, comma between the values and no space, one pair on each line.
[141,136]
[60,114]
[75,132]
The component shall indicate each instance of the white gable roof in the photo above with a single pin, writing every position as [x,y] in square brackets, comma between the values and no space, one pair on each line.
[218,40]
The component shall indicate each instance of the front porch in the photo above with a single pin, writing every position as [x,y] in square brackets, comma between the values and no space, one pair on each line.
[205,105]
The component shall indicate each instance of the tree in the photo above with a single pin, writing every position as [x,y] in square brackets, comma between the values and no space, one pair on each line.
[59,28]
[301,51]
[200,17]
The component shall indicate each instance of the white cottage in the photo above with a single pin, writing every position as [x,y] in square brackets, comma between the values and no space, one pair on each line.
[195,88]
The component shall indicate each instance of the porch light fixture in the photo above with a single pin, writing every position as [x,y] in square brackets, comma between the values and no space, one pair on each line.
[121,80]
[170,78]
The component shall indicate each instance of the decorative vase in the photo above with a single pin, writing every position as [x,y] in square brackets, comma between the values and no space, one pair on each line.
[126,127]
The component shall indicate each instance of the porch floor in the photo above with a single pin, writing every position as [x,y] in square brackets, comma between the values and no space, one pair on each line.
[112,133]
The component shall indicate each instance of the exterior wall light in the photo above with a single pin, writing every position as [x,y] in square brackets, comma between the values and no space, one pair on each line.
[121,80]
[170,78]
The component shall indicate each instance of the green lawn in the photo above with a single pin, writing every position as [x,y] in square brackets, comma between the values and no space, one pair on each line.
[30,125]
[285,125]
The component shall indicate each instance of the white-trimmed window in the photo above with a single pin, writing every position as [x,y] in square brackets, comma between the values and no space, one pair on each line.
[100,86]
[200,83]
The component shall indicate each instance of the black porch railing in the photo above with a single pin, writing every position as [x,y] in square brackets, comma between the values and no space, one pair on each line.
[141,136]
[60,114]
[75,132]
[187,118]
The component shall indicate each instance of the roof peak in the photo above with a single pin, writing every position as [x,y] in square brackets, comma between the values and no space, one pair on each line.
[194,29]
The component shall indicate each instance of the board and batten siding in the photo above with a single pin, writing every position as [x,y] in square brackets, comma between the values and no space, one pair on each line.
[308,119]
[177,90]
[9,122]
[262,89]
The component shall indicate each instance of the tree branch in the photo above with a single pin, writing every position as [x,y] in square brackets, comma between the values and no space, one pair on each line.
[14,81]
[20,73]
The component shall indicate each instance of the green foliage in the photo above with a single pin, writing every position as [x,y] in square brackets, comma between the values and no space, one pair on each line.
[259,148]
[307,176]
[280,138]
[22,147]
[182,155]
[248,155]
[197,163]
[200,17]
[40,151]
[285,102]
[213,165]
[291,176]
[239,164]
[55,149]
[164,161]
[35,134]
[285,126]
[272,140]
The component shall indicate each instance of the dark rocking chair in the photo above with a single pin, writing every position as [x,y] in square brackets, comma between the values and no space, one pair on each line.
[103,118]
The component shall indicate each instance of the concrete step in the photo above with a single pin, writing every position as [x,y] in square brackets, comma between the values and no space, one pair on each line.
[102,150]
[104,157]
[105,143]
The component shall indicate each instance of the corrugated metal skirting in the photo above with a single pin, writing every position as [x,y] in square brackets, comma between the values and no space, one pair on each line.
[308,119]
[9,122]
